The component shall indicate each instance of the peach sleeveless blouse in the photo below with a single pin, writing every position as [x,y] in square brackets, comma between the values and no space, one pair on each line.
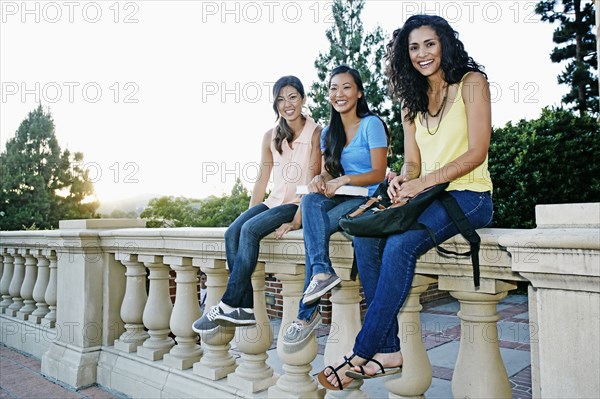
[291,167]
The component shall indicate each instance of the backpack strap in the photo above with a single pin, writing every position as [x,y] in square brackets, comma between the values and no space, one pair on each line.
[466,230]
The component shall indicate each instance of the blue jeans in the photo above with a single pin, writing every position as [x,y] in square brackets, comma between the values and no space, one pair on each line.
[320,219]
[386,267]
[242,241]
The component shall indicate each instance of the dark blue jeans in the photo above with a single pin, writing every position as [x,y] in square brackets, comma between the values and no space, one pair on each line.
[386,268]
[242,241]
[320,219]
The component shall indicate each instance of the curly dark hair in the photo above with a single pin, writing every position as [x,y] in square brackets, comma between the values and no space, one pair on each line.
[406,83]
[335,137]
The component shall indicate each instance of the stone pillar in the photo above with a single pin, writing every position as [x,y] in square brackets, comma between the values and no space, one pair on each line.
[50,294]
[39,290]
[479,371]
[561,259]
[28,285]
[416,375]
[253,374]
[157,311]
[7,275]
[73,357]
[296,382]
[16,283]
[345,325]
[186,310]
[132,307]
[216,362]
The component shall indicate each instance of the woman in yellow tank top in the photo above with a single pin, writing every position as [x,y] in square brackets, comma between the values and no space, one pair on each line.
[447,128]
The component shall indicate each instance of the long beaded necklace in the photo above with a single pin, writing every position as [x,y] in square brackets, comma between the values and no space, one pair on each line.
[439,111]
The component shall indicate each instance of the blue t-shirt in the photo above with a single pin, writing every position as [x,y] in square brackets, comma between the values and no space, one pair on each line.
[356,157]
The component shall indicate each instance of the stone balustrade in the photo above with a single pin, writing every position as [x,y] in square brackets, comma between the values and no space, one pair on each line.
[92,300]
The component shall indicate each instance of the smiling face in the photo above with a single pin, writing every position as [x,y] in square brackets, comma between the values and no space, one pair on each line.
[425,51]
[289,103]
[344,93]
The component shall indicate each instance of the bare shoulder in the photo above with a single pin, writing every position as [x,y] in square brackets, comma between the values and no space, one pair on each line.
[317,132]
[475,86]
[475,80]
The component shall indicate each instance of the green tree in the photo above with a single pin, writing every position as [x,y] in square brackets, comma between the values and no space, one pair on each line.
[549,160]
[350,45]
[577,45]
[41,185]
[185,212]
[222,211]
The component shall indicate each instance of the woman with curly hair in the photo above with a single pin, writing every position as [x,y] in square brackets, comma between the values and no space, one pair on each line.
[445,101]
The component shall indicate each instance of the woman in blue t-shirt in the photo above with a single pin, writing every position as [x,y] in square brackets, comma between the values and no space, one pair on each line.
[354,148]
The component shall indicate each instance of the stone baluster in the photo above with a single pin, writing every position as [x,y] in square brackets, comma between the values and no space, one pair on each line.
[185,311]
[16,283]
[50,294]
[253,374]
[345,324]
[7,275]
[39,290]
[216,362]
[28,285]
[133,304]
[479,371]
[296,382]
[157,311]
[416,375]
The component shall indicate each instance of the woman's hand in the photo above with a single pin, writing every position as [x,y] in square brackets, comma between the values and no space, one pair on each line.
[395,184]
[331,186]
[409,189]
[285,228]
[317,185]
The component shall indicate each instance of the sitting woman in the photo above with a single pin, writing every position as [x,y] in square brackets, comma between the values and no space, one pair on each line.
[354,147]
[291,152]
[447,128]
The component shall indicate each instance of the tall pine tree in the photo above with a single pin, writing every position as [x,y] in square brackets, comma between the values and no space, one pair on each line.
[39,184]
[577,45]
[350,45]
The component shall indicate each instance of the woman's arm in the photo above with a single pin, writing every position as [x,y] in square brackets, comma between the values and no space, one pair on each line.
[375,135]
[375,175]
[411,169]
[476,96]
[264,170]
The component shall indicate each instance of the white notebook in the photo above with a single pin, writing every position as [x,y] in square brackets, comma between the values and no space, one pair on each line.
[344,190]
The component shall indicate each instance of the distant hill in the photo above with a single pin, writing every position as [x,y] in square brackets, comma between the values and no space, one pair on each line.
[132,204]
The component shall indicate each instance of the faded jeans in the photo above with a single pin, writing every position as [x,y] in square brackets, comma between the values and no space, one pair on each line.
[242,241]
[386,267]
[320,219]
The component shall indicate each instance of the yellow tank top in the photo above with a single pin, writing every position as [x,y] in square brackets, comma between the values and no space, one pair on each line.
[451,141]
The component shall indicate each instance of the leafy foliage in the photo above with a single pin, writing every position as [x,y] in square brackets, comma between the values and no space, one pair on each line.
[350,45]
[577,44]
[549,160]
[41,185]
[209,212]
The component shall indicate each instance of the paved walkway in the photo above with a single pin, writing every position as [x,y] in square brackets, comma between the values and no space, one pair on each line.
[20,376]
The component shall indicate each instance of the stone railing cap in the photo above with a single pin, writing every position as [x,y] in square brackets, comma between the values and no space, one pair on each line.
[585,215]
[84,224]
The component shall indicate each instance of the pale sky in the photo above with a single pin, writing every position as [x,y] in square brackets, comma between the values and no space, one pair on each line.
[173,97]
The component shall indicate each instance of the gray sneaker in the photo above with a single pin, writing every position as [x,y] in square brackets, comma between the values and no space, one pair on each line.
[237,317]
[317,288]
[207,322]
[297,335]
